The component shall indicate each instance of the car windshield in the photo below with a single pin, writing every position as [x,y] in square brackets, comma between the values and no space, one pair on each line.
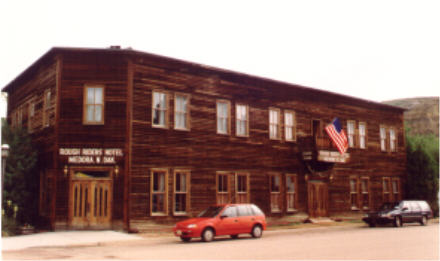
[210,212]
[389,206]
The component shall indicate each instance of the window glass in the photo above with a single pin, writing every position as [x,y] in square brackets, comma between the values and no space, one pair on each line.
[383,137]
[181,112]
[159,109]
[230,212]
[362,135]
[94,104]
[289,125]
[257,211]
[222,117]
[274,116]
[243,210]
[275,183]
[290,184]
[242,120]
[350,133]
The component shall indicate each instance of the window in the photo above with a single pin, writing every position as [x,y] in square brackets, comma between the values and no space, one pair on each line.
[242,120]
[94,105]
[291,184]
[160,109]
[362,135]
[396,188]
[46,108]
[244,210]
[242,188]
[181,112]
[386,195]
[159,187]
[383,138]
[365,186]
[354,193]
[31,113]
[289,126]
[230,212]
[223,188]
[274,124]
[392,140]
[181,192]
[223,117]
[275,192]
[350,133]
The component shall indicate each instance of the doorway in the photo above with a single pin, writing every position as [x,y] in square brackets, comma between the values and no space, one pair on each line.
[318,198]
[90,198]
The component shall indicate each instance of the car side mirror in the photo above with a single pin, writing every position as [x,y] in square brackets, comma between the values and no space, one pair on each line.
[223,216]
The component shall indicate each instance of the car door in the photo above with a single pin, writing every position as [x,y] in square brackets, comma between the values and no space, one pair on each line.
[416,212]
[229,221]
[246,218]
[406,212]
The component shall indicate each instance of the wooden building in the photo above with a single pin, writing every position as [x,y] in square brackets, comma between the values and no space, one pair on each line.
[127,137]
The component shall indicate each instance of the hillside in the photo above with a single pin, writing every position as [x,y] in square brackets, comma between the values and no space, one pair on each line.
[422,115]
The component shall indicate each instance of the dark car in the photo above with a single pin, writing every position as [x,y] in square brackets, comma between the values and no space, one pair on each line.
[397,213]
[218,220]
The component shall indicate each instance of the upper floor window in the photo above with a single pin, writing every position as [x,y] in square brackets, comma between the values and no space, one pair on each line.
[181,112]
[362,135]
[94,105]
[242,120]
[393,140]
[46,108]
[223,117]
[383,138]
[289,126]
[160,109]
[350,133]
[274,124]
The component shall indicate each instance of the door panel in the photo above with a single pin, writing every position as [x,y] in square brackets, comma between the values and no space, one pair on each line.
[318,199]
[90,203]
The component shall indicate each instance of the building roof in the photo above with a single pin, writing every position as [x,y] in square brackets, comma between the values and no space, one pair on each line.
[51,53]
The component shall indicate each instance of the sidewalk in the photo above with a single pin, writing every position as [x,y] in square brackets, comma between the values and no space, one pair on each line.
[67,238]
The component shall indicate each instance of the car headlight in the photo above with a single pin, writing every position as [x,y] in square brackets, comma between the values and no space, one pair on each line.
[191,226]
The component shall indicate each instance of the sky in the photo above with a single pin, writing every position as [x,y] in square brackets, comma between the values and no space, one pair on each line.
[375,50]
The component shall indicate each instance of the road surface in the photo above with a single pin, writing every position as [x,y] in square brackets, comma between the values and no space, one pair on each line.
[409,242]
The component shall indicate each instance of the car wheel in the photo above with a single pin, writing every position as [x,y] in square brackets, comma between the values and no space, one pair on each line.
[208,235]
[397,221]
[185,239]
[257,231]
[234,236]
[423,221]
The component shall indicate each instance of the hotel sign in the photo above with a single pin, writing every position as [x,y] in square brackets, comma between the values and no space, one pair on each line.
[332,156]
[91,155]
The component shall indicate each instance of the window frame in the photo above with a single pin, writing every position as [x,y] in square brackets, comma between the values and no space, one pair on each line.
[295,193]
[237,192]
[228,117]
[293,126]
[386,195]
[246,134]
[228,186]
[46,107]
[166,110]
[354,193]
[396,195]
[393,142]
[31,114]
[364,136]
[277,125]
[165,192]
[351,136]
[187,113]
[85,104]
[277,195]
[367,193]
[383,138]
[187,193]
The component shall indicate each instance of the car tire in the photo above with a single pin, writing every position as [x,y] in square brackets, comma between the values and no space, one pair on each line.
[234,236]
[185,239]
[424,221]
[207,235]
[398,221]
[257,231]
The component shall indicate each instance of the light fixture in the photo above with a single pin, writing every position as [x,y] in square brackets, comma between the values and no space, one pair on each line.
[116,170]
[66,170]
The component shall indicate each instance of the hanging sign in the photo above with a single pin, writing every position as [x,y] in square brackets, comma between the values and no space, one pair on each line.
[91,155]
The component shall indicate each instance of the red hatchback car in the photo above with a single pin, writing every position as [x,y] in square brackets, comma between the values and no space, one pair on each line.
[218,220]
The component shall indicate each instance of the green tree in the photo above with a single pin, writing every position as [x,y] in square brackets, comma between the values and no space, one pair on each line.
[21,181]
[423,169]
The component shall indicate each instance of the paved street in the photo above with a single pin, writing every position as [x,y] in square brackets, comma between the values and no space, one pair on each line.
[360,242]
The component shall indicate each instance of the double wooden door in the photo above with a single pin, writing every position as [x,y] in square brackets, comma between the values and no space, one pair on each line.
[90,203]
[318,198]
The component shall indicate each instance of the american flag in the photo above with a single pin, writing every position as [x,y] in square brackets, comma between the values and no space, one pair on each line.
[337,134]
